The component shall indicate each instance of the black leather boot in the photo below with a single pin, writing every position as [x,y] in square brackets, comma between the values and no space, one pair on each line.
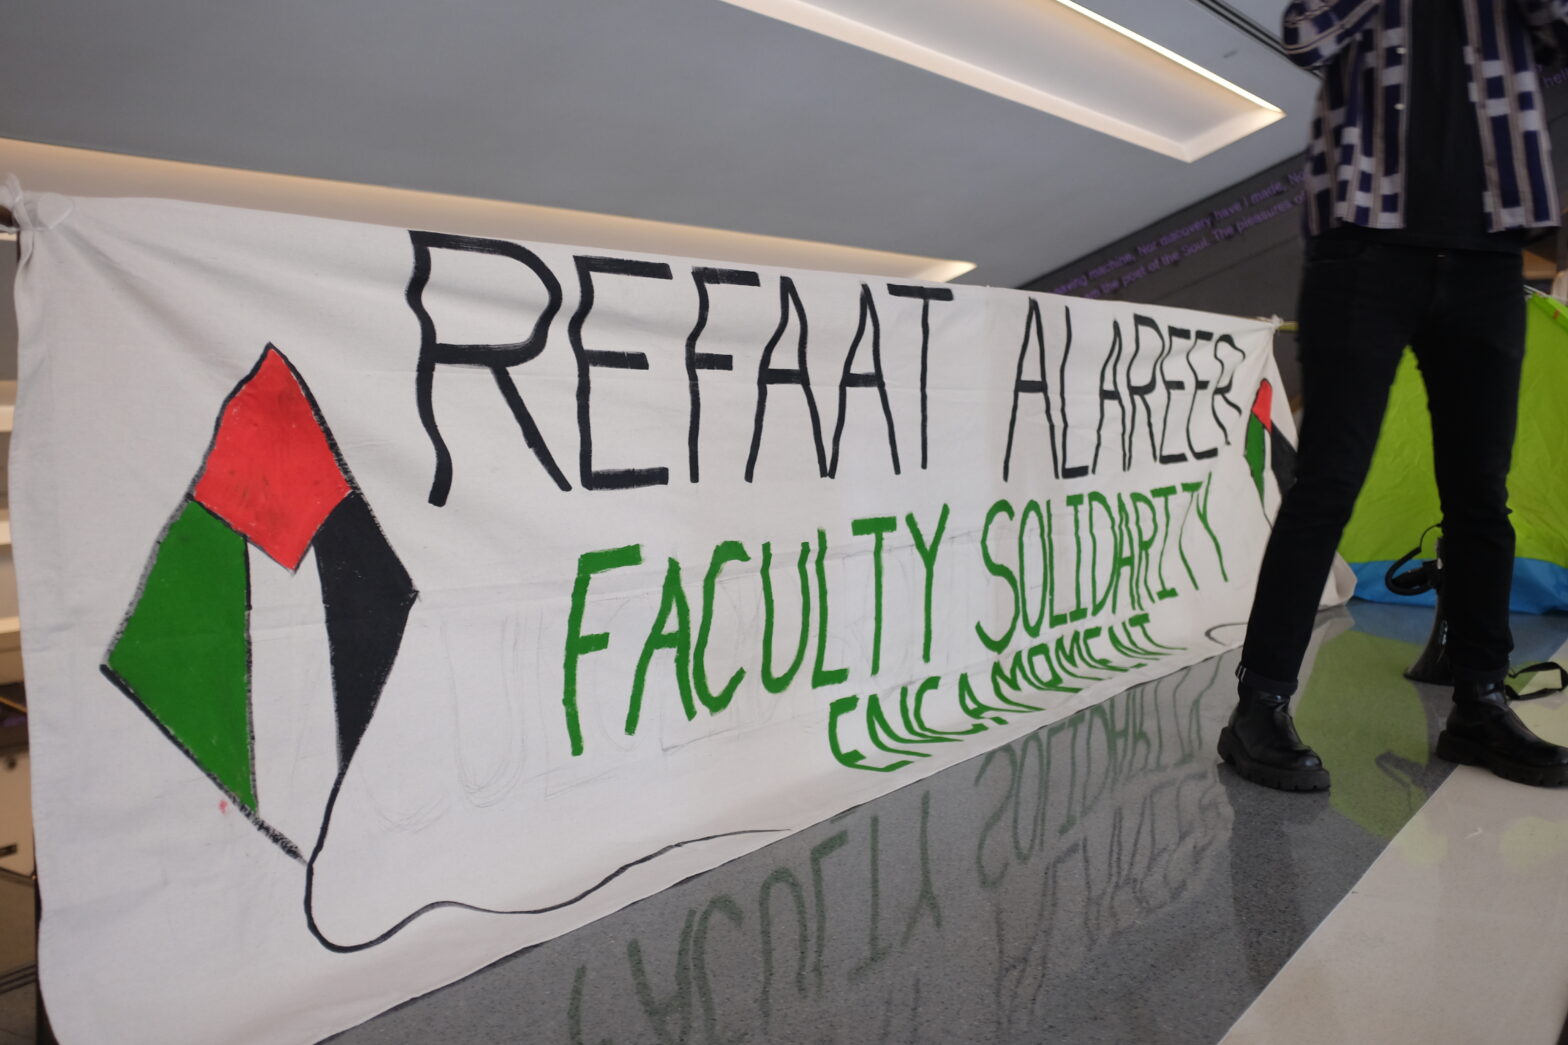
[1261,743]
[1484,731]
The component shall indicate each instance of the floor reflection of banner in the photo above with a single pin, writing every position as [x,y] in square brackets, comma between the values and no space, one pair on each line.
[971,909]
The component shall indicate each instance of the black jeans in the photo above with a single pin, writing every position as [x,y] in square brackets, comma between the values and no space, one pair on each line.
[1463,313]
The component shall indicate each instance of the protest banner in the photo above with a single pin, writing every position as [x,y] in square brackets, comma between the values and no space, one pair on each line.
[394,600]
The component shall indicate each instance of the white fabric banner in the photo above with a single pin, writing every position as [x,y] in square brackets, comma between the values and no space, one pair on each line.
[393,601]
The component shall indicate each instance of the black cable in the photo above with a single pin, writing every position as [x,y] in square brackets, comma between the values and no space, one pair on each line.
[18,978]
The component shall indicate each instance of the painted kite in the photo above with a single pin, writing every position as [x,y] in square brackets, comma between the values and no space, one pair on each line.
[1267,447]
[272,479]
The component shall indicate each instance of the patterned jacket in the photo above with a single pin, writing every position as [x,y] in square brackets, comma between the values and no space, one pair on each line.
[1356,157]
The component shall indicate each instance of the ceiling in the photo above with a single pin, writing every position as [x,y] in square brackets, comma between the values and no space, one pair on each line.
[690,111]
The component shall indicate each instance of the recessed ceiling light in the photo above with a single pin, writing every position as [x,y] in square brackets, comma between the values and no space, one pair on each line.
[1056,56]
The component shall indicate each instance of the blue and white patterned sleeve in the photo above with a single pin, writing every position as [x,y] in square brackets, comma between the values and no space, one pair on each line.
[1314,31]
[1542,13]
[1548,21]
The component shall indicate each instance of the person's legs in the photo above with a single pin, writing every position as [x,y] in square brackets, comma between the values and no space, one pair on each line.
[1360,304]
[1471,353]
[1357,313]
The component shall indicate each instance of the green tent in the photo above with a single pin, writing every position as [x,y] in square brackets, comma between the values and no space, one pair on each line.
[1400,497]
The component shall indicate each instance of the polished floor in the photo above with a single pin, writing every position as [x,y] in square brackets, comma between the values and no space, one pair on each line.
[1104,880]
[1459,931]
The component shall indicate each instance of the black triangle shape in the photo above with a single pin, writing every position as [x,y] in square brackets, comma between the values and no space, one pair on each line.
[367,595]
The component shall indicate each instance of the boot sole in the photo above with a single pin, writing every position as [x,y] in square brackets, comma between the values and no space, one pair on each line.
[1467,753]
[1269,776]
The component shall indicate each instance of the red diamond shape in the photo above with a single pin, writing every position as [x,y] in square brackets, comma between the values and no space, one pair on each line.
[1263,405]
[271,474]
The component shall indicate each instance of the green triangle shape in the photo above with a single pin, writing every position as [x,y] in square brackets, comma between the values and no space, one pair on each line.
[1257,443]
[184,653]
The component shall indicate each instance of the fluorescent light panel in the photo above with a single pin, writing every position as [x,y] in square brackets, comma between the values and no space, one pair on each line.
[1052,55]
[86,172]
